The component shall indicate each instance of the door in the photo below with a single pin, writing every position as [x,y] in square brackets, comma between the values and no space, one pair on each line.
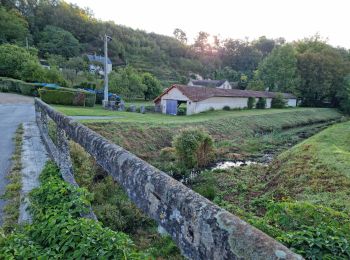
[171,107]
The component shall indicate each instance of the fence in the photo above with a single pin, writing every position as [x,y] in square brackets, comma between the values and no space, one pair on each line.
[201,229]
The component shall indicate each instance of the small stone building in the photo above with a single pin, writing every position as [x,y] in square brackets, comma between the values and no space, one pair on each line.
[199,99]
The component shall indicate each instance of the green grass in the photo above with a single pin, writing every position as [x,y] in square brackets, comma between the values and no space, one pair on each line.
[156,118]
[302,198]
[13,189]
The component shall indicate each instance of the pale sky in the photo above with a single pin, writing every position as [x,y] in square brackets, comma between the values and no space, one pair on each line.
[238,19]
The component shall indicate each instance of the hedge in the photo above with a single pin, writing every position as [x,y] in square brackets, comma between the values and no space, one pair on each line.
[67,96]
[18,86]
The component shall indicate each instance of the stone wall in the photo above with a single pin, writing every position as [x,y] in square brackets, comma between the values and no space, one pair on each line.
[201,229]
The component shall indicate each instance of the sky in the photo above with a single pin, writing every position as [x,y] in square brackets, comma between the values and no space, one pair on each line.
[238,19]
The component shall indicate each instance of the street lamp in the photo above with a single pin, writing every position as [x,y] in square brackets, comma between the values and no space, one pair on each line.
[105,100]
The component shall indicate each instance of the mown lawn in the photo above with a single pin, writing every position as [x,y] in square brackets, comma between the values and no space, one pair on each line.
[157,118]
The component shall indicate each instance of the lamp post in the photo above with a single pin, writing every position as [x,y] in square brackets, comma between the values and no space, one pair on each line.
[105,98]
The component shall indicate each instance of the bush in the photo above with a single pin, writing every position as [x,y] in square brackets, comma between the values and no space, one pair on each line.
[58,231]
[227,108]
[66,96]
[18,86]
[181,111]
[278,101]
[211,109]
[194,148]
[261,104]
[251,102]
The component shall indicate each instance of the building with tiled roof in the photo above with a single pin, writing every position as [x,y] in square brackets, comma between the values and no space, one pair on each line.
[199,99]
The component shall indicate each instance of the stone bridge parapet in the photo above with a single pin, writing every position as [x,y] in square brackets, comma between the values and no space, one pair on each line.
[201,229]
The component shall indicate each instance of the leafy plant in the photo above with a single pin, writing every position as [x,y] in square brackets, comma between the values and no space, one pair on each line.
[194,147]
[261,104]
[278,101]
[251,102]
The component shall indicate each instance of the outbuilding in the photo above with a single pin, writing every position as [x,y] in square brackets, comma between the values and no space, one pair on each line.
[203,99]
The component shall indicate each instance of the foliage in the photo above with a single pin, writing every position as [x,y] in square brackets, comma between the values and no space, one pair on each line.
[127,82]
[278,101]
[55,40]
[13,59]
[194,148]
[261,104]
[12,193]
[181,111]
[344,96]
[57,229]
[322,69]
[279,71]
[251,103]
[227,108]
[66,96]
[153,87]
[13,27]
[18,86]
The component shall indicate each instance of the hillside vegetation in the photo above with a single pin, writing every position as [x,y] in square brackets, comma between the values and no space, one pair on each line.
[301,198]
[62,33]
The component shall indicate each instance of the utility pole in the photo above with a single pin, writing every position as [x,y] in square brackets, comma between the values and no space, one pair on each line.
[105,98]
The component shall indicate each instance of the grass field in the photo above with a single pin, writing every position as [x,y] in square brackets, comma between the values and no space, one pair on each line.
[169,119]
[302,198]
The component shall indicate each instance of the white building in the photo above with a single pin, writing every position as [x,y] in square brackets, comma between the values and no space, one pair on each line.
[96,64]
[210,83]
[202,99]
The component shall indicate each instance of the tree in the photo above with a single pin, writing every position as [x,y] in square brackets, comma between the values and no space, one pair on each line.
[13,59]
[127,82]
[201,42]
[180,35]
[264,45]
[322,69]
[278,101]
[279,71]
[13,27]
[153,88]
[55,40]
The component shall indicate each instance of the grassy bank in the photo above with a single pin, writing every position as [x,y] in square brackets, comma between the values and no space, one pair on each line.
[302,198]
[236,133]
[13,189]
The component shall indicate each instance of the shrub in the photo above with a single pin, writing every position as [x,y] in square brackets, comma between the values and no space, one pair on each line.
[211,109]
[194,148]
[251,102]
[66,96]
[278,101]
[261,104]
[181,111]
[18,86]
[227,108]
[58,231]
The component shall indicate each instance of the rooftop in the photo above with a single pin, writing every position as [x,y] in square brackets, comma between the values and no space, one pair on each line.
[208,83]
[199,94]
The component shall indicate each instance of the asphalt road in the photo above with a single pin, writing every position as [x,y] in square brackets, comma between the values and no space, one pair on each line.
[14,109]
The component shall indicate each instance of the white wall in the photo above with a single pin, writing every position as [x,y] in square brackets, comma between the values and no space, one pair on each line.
[172,94]
[217,103]
[268,102]
[292,102]
[226,85]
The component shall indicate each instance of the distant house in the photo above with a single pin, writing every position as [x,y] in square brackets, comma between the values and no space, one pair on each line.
[210,83]
[96,64]
[199,99]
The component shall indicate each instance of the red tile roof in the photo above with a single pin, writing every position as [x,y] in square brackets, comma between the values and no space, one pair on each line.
[201,93]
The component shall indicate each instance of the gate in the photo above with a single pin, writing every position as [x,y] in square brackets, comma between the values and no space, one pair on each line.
[171,107]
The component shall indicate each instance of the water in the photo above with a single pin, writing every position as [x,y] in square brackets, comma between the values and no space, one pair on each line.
[232,164]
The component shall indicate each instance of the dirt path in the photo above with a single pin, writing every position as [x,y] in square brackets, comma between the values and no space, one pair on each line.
[14,109]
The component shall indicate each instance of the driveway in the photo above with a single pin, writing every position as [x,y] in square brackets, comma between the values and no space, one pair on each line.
[14,109]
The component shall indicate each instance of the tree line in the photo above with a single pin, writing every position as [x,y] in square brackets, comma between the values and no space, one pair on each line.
[313,70]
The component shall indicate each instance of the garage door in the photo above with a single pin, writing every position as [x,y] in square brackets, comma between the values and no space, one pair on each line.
[171,107]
